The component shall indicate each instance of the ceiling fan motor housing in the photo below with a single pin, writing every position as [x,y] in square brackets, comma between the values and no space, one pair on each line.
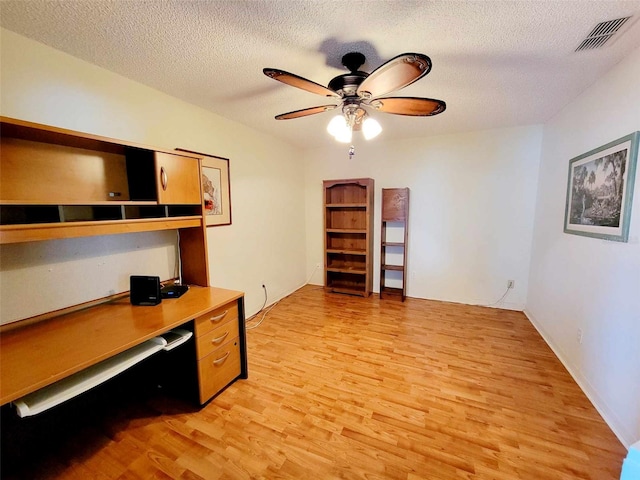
[347,84]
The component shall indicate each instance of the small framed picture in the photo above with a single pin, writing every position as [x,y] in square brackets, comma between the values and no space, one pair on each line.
[216,189]
[600,190]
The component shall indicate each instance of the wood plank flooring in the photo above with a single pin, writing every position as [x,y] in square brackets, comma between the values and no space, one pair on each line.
[345,387]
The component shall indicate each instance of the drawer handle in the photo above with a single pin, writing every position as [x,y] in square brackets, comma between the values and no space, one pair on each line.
[163,178]
[220,339]
[221,359]
[219,317]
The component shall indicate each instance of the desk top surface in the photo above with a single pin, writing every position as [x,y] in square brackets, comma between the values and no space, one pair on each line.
[39,354]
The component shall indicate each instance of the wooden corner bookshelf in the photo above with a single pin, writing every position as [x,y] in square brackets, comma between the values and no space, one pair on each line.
[348,235]
[393,237]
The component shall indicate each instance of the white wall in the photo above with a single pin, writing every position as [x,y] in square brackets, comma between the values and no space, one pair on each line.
[471,209]
[265,243]
[586,283]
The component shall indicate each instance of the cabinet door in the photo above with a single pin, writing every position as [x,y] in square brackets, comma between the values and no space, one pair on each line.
[177,179]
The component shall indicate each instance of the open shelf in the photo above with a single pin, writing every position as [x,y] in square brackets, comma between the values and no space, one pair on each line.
[57,183]
[347,205]
[51,231]
[346,251]
[393,244]
[346,263]
[347,282]
[25,223]
[353,270]
[392,291]
[397,268]
[347,230]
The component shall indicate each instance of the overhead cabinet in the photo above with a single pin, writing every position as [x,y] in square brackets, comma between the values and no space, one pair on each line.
[57,183]
[348,222]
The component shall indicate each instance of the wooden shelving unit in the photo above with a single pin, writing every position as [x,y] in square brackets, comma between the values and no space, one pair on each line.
[59,183]
[394,236]
[348,237]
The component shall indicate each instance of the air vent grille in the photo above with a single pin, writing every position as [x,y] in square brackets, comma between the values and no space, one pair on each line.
[601,34]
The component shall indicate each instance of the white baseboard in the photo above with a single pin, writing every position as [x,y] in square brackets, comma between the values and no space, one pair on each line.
[609,416]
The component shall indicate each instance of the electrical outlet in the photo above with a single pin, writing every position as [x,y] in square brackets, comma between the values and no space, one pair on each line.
[579,336]
[511,283]
[318,265]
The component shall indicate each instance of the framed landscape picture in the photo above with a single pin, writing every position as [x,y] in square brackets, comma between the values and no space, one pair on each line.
[216,189]
[600,190]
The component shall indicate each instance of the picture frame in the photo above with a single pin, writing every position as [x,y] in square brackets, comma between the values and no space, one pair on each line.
[600,190]
[216,189]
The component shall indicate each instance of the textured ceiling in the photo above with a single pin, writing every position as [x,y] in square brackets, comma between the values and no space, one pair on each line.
[495,64]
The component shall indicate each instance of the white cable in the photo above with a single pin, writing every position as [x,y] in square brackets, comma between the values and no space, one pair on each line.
[179,262]
[263,304]
[499,300]
[251,327]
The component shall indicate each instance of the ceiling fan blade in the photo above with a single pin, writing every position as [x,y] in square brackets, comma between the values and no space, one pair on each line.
[395,74]
[299,82]
[413,106]
[304,112]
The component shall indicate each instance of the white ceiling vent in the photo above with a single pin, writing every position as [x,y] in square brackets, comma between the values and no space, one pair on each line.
[602,33]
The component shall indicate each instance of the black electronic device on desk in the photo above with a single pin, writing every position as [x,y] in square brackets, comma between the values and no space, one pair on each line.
[144,290]
[174,291]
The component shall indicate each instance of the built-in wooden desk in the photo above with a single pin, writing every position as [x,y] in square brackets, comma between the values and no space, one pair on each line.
[37,355]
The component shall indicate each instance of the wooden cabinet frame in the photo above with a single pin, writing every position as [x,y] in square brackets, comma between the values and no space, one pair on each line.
[58,183]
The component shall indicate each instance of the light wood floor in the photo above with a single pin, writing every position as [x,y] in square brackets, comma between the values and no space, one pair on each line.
[352,388]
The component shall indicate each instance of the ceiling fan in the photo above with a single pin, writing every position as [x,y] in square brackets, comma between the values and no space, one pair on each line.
[360,91]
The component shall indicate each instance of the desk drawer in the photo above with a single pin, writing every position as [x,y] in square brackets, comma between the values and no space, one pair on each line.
[210,320]
[207,343]
[218,369]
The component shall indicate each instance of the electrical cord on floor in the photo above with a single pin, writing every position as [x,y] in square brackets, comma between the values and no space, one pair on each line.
[251,327]
[499,300]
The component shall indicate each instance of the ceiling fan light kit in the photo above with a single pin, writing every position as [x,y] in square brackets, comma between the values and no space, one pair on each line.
[339,128]
[371,128]
[360,91]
